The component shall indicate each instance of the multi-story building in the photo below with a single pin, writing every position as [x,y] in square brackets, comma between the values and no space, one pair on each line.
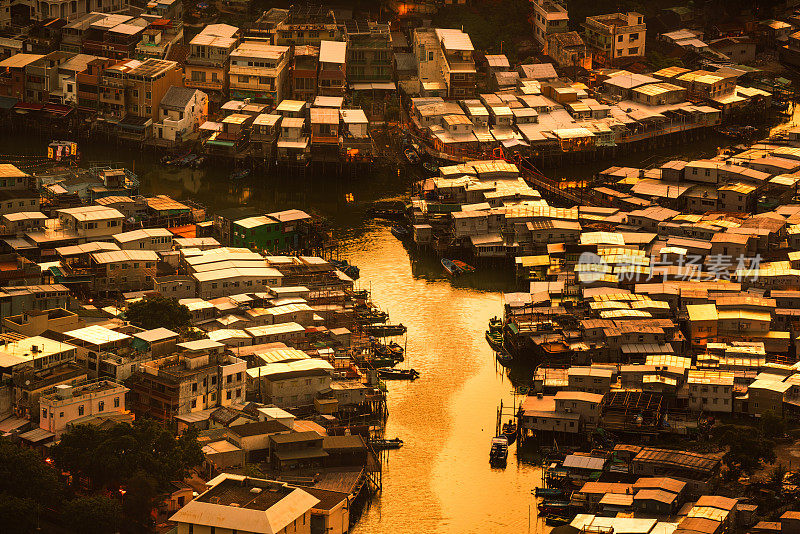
[123,270]
[159,39]
[88,84]
[90,223]
[305,66]
[549,17]
[41,77]
[369,52]
[183,110]
[67,78]
[5,14]
[114,36]
[259,71]
[209,58]
[70,9]
[307,24]
[198,378]
[332,68]
[710,391]
[68,404]
[616,37]
[240,504]
[12,74]
[456,63]
[147,83]
[568,50]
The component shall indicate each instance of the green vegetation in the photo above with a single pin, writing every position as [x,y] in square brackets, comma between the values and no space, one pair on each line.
[747,448]
[494,27]
[93,515]
[157,311]
[110,458]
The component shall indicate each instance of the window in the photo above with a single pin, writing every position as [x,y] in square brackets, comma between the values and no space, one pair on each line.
[44,413]
[619,38]
[228,395]
[80,409]
[101,406]
[116,402]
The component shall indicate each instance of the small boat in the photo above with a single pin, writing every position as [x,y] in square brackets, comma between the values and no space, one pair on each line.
[379,361]
[385,330]
[380,444]
[430,167]
[173,159]
[411,156]
[495,324]
[389,349]
[400,232]
[241,174]
[495,340]
[347,268]
[498,454]
[557,520]
[552,493]
[510,431]
[372,317]
[463,268]
[504,358]
[388,373]
[450,267]
[361,294]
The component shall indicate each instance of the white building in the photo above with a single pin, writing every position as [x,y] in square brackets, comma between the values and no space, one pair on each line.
[182,110]
[549,17]
[69,404]
[91,222]
[710,391]
[291,384]
[237,503]
[155,239]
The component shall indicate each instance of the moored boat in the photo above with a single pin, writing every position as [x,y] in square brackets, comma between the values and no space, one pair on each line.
[400,232]
[379,443]
[385,330]
[430,167]
[388,373]
[498,454]
[510,431]
[450,267]
[411,156]
[495,340]
[463,268]
[552,493]
[504,358]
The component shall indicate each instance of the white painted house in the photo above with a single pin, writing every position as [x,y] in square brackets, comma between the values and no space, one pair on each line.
[181,112]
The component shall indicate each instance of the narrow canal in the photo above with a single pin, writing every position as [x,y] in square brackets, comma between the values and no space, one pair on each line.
[440,481]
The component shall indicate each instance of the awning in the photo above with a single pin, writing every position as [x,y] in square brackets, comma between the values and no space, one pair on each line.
[37,435]
[211,126]
[12,423]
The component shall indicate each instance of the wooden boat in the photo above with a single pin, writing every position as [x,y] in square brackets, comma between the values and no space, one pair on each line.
[400,232]
[430,167]
[240,174]
[361,294]
[552,493]
[385,330]
[504,358]
[372,317]
[380,444]
[495,340]
[464,268]
[498,454]
[557,520]
[450,267]
[391,350]
[380,362]
[411,156]
[510,431]
[496,324]
[555,507]
[387,373]
[347,268]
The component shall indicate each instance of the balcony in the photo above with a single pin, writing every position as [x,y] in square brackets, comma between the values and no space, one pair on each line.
[196,84]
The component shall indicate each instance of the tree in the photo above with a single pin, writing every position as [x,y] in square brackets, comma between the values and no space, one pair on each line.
[18,516]
[141,497]
[111,457]
[772,424]
[93,515]
[747,448]
[158,311]
[23,474]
